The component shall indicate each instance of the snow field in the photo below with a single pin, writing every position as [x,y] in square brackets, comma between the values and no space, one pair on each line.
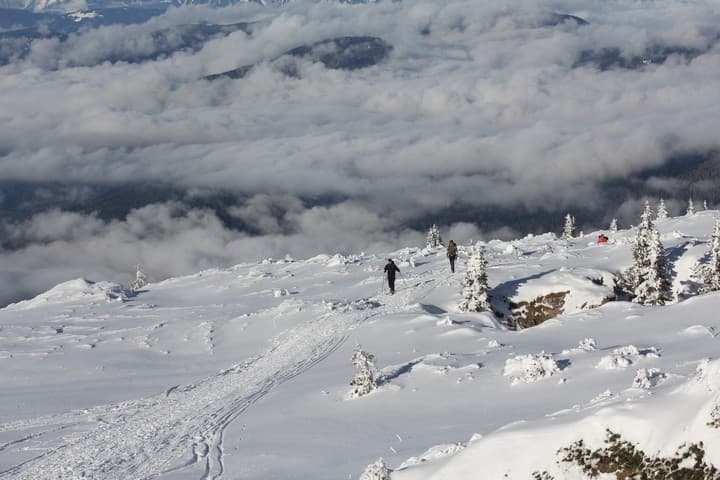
[215,376]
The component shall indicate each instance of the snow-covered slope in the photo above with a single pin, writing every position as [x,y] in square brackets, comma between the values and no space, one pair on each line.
[243,372]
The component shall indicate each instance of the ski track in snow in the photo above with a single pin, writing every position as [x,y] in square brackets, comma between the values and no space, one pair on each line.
[185,425]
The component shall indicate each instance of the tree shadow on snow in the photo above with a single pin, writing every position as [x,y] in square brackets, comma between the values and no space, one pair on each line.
[563,363]
[401,370]
[432,309]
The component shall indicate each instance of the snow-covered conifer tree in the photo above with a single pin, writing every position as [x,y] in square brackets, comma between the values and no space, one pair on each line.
[705,205]
[691,207]
[709,274]
[475,287]
[433,237]
[569,228]
[365,380]
[654,289]
[662,212]
[613,226]
[376,471]
[140,279]
[646,280]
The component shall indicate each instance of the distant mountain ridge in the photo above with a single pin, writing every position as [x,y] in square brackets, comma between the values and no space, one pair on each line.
[66,6]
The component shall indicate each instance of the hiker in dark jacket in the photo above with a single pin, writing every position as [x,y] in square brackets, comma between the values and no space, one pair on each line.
[452,254]
[390,269]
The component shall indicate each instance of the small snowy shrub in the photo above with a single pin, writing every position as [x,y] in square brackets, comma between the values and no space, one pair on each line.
[542,476]
[569,228]
[613,226]
[623,460]
[140,279]
[365,380]
[530,368]
[587,344]
[623,357]
[662,212]
[433,237]
[376,471]
[714,417]
[614,362]
[648,378]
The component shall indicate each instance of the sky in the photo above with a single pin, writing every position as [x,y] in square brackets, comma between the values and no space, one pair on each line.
[479,106]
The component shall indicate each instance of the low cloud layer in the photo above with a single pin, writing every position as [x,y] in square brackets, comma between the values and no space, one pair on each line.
[478,107]
[170,240]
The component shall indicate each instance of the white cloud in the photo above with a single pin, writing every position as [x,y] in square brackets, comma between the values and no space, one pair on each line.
[478,105]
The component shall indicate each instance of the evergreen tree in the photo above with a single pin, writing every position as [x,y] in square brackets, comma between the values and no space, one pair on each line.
[709,274]
[365,380]
[475,287]
[662,212]
[646,280]
[705,205]
[433,237]
[613,226]
[140,279]
[691,207]
[569,228]
[376,471]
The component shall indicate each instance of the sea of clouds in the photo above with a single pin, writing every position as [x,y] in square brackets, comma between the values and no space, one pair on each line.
[480,105]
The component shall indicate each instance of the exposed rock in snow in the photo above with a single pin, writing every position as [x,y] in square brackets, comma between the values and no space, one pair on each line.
[530,313]
[538,298]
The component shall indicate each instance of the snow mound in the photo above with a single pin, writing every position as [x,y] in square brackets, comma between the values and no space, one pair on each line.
[78,290]
[530,368]
[698,330]
[648,378]
[623,357]
[336,260]
[433,453]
